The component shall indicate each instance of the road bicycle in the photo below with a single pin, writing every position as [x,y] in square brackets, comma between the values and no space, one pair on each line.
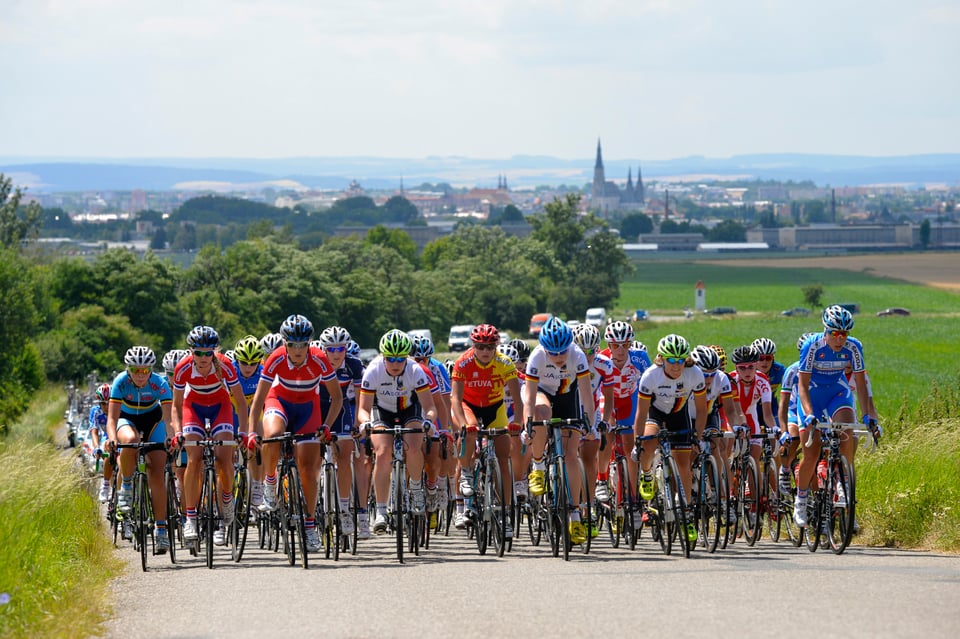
[744,494]
[237,532]
[667,511]
[140,517]
[287,524]
[328,502]
[488,495]
[209,511]
[705,494]
[620,512]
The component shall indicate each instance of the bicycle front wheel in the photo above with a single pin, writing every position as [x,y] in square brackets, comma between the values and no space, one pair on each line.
[678,506]
[174,526]
[141,500]
[496,508]
[749,501]
[241,517]
[297,518]
[709,505]
[770,502]
[399,489]
[562,496]
[841,501]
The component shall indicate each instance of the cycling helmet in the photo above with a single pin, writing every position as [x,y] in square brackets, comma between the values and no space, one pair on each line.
[140,357]
[837,318]
[172,358]
[485,334]
[706,358]
[555,335]
[296,329]
[523,349]
[315,343]
[722,353]
[248,349]
[203,337]
[744,355]
[333,335]
[587,336]
[637,345]
[422,346]
[270,342]
[673,345]
[764,346]
[395,343]
[618,332]
[507,350]
[448,364]
[803,338]
[353,349]
[231,355]
[103,393]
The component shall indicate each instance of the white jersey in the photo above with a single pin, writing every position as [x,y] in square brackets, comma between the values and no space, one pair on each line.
[394,393]
[556,380]
[717,387]
[671,395]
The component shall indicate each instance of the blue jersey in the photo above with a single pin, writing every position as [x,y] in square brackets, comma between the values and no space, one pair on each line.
[97,418]
[137,401]
[789,385]
[349,376]
[826,365]
[248,386]
[440,374]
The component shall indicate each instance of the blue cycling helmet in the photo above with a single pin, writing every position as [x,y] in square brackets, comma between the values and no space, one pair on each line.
[296,329]
[555,335]
[837,318]
[422,346]
[203,337]
[353,349]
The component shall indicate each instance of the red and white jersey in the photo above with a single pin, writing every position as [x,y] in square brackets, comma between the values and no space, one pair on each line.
[297,384]
[602,375]
[750,395]
[208,389]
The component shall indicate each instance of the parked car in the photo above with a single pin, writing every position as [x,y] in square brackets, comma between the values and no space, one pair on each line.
[504,337]
[797,311]
[537,322]
[640,315]
[573,322]
[596,316]
[721,310]
[894,310]
[459,339]
[421,332]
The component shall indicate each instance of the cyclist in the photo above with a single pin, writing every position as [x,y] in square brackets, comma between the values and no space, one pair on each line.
[334,340]
[289,397]
[753,390]
[789,422]
[629,365]
[518,452]
[97,424]
[395,389]
[212,381]
[824,393]
[437,469]
[139,410]
[665,389]
[587,337]
[248,356]
[557,377]
[773,370]
[270,342]
[480,378]
[170,360]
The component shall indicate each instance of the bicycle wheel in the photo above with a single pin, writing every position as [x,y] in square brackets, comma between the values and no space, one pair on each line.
[678,506]
[661,510]
[210,509]
[841,499]
[496,508]
[399,486]
[562,496]
[616,511]
[354,510]
[582,498]
[769,502]
[786,500]
[451,508]
[750,501]
[241,516]
[814,520]
[298,534]
[331,514]
[708,511]
[142,524]
[481,521]
[174,527]
[725,502]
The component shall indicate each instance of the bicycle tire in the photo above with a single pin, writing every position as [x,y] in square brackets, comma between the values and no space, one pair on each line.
[481,523]
[750,501]
[794,533]
[141,499]
[724,503]
[210,508]
[841,517]
[241,517]
[709,505]
[615,517]
[451,508]
[398,500]
[770,502]
[351,540]
[331,493]
[814,521]
[562,496]
[586,514]
[298,517]
[174,527]
[679,508]
[498,510]
[661,509]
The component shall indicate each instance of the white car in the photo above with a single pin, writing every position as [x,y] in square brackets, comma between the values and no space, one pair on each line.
[459,339]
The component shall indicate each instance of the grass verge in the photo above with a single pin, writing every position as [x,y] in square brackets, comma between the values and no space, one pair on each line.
[55,561]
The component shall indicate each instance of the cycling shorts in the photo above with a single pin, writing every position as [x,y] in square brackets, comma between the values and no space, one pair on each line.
[343,424]
[195,416]
[826,402]
[492,416]
[405,417]
[150,425]
[300,418]
[675,423]
[564,406]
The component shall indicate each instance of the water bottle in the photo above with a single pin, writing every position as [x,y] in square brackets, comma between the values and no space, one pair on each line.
[822,473]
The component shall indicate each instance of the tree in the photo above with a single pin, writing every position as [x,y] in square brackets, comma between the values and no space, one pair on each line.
[633,225]
[511,215]
[925,234]
[16,224]
[812,294]
[815,212]
[400,209]
[22,370]
[397,239]
[727,231]
[159,240]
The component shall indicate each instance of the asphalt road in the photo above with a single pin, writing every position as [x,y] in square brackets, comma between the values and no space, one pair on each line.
[768,590]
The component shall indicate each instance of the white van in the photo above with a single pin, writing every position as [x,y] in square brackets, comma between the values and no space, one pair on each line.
[596,317]
[459,339]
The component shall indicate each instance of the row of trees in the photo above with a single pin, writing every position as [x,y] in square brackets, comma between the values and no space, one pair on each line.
[63,317]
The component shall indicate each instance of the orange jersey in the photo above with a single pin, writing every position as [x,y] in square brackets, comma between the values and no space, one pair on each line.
[483,385]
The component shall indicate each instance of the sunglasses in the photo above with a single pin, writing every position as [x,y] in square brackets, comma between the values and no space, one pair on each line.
[746,367]
[335,349]
[139,371]
[766,358]
[296,346]
[839,333]
[558,353]
[483,347]
[244,363]
[395,360]
[675,360]
[709,375]
[618,344]
[203,353]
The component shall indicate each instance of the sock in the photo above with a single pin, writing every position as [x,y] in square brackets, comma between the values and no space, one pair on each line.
[344,504]
[309,522]
[539,465]
[192,513]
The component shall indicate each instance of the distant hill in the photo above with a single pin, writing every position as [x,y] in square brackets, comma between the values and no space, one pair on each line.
[155,174]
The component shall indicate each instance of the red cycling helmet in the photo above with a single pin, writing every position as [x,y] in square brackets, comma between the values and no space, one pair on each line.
[485,334]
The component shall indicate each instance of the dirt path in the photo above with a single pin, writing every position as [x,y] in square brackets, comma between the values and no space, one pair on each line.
[939,270]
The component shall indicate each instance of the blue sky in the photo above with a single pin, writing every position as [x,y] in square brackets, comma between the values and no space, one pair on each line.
[656,79]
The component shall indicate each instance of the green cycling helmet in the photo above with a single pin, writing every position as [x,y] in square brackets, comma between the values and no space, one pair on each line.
[248,349]
[673,346]
[395,343]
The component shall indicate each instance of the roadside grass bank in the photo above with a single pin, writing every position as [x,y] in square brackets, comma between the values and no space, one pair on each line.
[55,561]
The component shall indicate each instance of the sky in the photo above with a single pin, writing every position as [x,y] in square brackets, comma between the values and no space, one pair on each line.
[654,79]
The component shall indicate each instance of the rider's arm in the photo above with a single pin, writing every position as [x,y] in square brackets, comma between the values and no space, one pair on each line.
[167,413]
[586,399]
[456,405]
[113,415]
[429,408]
[513,387]
[803,387]
[240,406]
[700,401]
[176,413]
[365,407]
[256,407]
[336,401]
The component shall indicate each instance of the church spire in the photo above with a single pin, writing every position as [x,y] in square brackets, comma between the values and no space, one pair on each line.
[599,162]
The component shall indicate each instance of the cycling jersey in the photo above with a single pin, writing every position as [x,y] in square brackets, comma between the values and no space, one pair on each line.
[718,387]
[390,393]
[97,420]
[625,384]
[296,383]
[206,389]
[775,378]
[671,395]
[788,389]
[826,365]
[555,380]
[348,375]
[483,385]
[249,387]
[439,371]
[751,395]
[137,401]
